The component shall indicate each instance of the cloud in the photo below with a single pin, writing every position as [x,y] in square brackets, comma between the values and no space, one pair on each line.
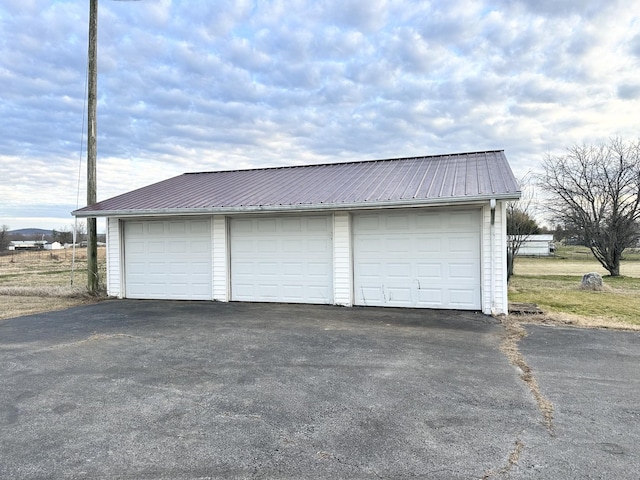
[188,86]
[629,91]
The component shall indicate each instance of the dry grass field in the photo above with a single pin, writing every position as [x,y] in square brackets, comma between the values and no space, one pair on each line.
[39,281]
[553,283]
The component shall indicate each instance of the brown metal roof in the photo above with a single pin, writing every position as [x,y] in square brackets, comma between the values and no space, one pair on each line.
[418,180]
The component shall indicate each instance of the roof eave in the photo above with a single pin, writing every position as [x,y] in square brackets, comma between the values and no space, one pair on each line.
[315,207]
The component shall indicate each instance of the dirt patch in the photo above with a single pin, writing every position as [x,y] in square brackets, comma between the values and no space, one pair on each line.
[578,321]
[512,336]
[513,459]
[18,306]
[96,337]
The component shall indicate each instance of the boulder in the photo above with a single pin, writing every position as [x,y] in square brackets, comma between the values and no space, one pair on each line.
[592,281]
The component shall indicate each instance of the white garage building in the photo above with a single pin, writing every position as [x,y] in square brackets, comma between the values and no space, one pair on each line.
[426,232]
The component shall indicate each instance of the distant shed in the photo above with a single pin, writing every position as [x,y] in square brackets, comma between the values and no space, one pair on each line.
[27,245]
[537,245]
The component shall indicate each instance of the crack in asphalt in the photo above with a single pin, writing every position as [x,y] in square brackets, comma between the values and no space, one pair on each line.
[512,460]
[514,332]
[92,338]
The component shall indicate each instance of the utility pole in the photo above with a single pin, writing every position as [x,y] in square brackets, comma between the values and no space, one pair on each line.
[92,236]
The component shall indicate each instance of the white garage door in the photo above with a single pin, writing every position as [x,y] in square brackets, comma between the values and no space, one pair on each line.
[282,259]
[410,258]
[168,259]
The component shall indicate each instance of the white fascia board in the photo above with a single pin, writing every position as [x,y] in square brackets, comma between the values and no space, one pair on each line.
[297,208]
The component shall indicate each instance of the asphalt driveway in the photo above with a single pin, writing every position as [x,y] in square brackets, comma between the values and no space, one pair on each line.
[146,389]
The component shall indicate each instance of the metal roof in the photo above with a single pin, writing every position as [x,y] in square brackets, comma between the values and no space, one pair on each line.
[437,179]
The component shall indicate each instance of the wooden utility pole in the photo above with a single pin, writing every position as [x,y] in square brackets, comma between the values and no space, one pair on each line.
[92,235]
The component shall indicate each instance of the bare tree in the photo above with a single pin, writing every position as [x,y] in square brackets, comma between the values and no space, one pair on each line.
[4,237]
[521,223]
[63,236]
[81,231]
[596,190]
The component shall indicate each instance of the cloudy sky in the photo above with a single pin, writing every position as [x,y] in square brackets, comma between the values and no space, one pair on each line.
[207,85]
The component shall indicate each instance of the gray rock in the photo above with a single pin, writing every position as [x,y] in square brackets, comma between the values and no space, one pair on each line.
[592,281]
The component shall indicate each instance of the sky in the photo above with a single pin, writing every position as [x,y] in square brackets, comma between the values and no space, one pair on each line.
[202,85]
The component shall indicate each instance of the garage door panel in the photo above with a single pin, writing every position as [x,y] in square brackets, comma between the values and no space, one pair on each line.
[153,228]
[428,245]
[321,270]
[243,245]
[462,219]
[178,228]
[294,246]
[462,298]
[321,246]
[282,259]
[398,244]
[418,259]
[364,223]
[318,294]
[317,224]
[200,227]
[267,225]
[462,271]
[168,259]
[267,247]
[370,270]
[293,292]
[243,291]
[240,225]
[135,227]
[429,272]
[291,225]
[463,245]
[399,271]
[399,295]
[429,221]
[293,269]
[270,269]
[243,268]
[136,247]
[199,247]
[267,292]
[370,295]
[430,296]
[397,222]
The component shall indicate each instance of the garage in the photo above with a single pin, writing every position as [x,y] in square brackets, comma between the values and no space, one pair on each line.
[282,259]
[427,258]
[168,259]
[414,232]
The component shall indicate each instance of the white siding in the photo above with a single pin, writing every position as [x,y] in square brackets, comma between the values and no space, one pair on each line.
[502,288]
[113,258]
[342,264]
[494,267]
[220,258]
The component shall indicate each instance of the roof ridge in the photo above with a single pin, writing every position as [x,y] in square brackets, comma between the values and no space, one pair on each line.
[351,162]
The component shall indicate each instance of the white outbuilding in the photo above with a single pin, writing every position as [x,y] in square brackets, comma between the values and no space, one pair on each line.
[541,245]
[421,232]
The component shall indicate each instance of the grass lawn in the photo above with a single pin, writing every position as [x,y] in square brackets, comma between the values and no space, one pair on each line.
[553,283]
